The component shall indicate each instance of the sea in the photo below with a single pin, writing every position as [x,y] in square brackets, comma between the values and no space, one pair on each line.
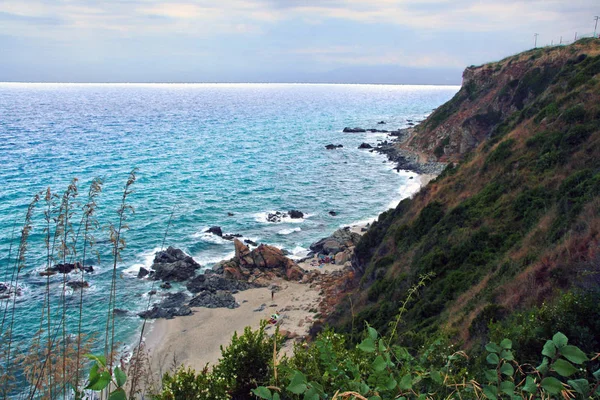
[204,155]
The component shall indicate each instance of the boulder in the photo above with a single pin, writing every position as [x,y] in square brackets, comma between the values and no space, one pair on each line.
[219,299]
[261,262]
[275,217]
[142,272]
[3,288]
[215,230]
[295,214]
[341,240]
[231,236]
[214,283]
[67,268]
[171,306]
[333,146]
[354,130]
[166,285]
[365,146]
[381,123]
[78,284]
[332,213]
[342,257]
[250,242]
[174,265]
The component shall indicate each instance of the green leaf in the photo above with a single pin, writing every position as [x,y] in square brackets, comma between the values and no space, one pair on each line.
[406,382]
[94,376]
[493,348]
[99,359]
[422,396]
[507,355]
[506,344]
[573,354]
[549,349]
[493,358]
[381,345]
[101,383]
[364,388]
[390,383]
[552,385]
[491,375]
[491,392]
[560,340]
[276,396]
[367,345]
[379,364]
[262,392]
[372,333]
[311,394]
[543,367]
[118,394]
[581,386]
[564,368]
[374,398]
[597,374]
[507,369]
[507,387]
[436,377]
[120,377]
[530,385]
[298,383]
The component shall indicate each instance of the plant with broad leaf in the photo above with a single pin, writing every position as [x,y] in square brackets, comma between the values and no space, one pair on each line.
[102,377]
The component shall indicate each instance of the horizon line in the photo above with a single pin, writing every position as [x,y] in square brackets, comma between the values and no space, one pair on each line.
[225,83]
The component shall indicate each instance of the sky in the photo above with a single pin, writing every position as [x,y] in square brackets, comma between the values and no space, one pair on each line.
[336,41]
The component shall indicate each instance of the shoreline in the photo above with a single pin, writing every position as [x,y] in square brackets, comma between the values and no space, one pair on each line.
[195,340]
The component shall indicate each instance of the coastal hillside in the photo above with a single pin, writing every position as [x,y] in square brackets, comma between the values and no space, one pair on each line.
[509,233]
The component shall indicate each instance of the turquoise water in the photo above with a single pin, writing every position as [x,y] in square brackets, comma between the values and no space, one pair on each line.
[202,151]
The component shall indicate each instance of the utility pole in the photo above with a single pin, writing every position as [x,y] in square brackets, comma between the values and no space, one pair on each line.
[575,37]
[535,35]
[595,26]
[561,40]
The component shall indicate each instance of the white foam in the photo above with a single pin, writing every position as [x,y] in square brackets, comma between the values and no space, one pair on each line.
[146,257]
[289,231]
[299,252]
[212,259]
[209,237]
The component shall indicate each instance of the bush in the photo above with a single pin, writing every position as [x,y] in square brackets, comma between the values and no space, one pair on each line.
[186,384]
[574,114]
[247,361]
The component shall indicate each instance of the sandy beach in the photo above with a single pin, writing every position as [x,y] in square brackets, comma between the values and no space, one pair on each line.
[195,340]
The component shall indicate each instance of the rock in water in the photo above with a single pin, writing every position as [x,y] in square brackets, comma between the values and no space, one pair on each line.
[354,130]
[142,272]
[295,214]
[215,230]
[78,284]
[332,213]
[365,146]
[174,265]
[333,146]
[171,306]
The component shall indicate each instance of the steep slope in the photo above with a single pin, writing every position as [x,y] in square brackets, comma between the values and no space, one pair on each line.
[515,223]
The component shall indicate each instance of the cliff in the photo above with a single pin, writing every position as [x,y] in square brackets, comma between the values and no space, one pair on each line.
[513,223]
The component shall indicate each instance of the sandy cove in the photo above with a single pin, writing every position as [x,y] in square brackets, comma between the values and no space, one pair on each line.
[195,340]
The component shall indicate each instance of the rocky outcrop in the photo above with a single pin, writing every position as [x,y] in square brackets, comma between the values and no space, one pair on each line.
[365,146]
[354,130]
[78,284]
[279,216]
[341,240]
[218,299]
[67,268]
[262,262]
[216,282]
[333,146]
[215,230]
[174,265]
[173,305]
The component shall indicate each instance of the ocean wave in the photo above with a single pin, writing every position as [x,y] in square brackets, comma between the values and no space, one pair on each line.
[209,237]
[289,231]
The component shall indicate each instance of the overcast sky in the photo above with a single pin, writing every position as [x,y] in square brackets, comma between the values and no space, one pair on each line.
[369,41]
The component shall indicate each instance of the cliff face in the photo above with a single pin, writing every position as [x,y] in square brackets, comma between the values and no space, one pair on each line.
[489,96]
[516,221]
